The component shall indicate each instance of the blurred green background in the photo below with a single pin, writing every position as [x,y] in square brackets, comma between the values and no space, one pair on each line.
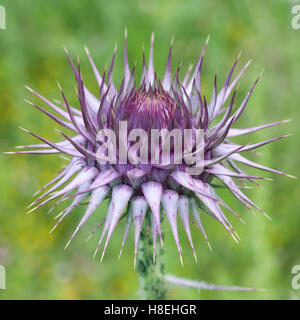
[31,52]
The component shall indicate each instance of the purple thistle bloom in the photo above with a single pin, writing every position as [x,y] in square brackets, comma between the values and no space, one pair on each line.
[148,190]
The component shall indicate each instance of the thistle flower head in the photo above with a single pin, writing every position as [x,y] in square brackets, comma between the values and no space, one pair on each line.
[121,167]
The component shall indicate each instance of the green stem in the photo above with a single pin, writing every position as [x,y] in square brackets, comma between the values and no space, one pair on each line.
[151,274]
